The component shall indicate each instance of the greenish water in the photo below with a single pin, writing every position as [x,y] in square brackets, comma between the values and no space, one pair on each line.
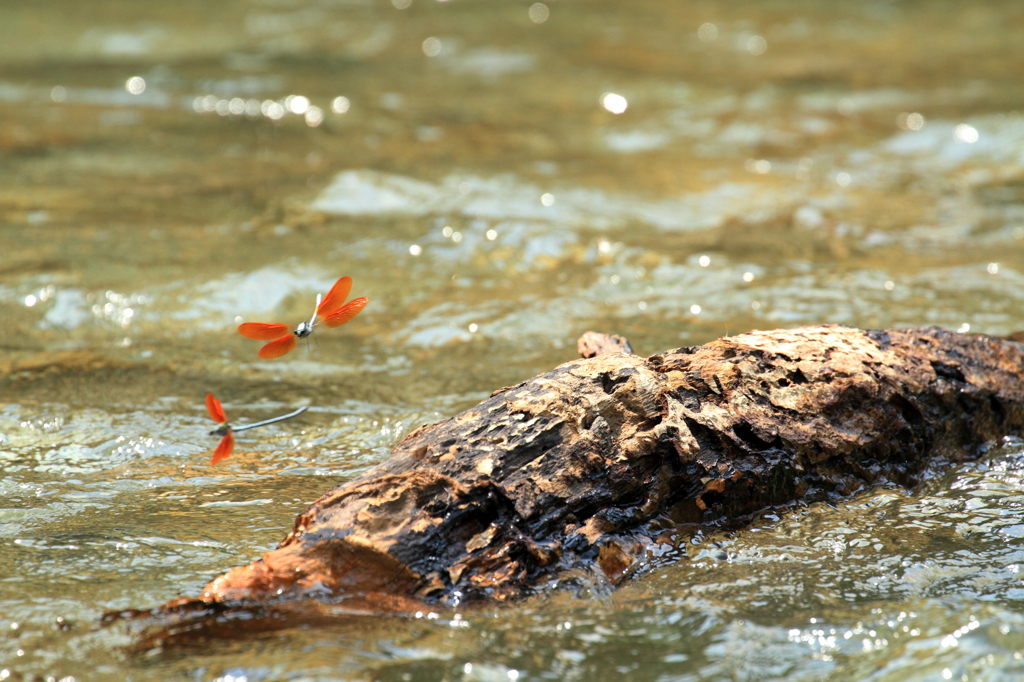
[777,164]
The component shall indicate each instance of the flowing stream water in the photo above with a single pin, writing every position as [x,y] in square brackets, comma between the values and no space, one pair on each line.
[497,177]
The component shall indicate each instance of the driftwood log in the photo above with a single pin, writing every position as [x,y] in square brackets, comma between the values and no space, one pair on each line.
[591,464]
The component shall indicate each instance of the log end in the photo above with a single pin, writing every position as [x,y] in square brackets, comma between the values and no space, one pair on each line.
[319,569]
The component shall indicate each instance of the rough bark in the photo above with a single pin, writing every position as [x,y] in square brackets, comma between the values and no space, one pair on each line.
[589,465]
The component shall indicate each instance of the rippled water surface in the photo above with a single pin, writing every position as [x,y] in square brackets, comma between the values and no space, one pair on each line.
[497,177]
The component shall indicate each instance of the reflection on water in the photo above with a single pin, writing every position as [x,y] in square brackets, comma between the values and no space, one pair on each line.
[496,178]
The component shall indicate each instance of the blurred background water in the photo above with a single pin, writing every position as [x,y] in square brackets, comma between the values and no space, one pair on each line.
[497,177]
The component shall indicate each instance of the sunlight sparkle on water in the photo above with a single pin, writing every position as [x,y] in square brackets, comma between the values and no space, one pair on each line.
[297,104]
[135,85]
[539,12]
[272,110]
[340,105]
[909,121]
[966,133]
[695,309]
[547,199]
[707,33]
[314,116]
[614,103]
[415,249]
[431,47]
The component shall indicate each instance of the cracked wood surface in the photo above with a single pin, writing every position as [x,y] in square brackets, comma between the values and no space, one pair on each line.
[589,465]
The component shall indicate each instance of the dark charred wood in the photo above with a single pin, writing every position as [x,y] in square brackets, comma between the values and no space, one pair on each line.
[590,465]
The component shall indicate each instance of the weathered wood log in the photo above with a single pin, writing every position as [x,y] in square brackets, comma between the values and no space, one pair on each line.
[592,463]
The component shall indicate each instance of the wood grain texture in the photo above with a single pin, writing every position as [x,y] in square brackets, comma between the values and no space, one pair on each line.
[590,464]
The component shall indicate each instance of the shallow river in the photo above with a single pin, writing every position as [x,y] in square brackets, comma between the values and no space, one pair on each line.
[497,177]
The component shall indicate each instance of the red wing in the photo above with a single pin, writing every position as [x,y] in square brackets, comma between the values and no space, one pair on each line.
[335,297]
[346,312]
[224,448]
[215,410]
[276,349]
[263,331]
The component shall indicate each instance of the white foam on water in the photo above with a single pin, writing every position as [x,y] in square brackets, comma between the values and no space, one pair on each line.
[490,63]
[69,310]
[215,304]
[1000,140]
[636,141]
[504,197]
